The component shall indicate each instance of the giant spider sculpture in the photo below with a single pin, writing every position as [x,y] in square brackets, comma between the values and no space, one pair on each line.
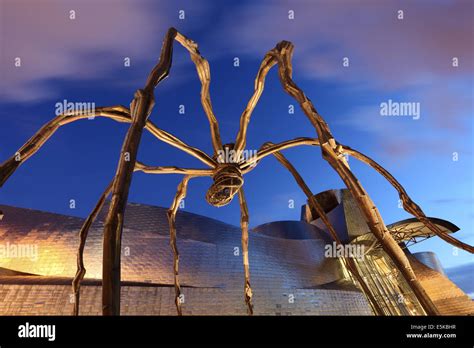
[227,175]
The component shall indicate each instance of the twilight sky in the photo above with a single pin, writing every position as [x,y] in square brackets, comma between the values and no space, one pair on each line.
[403,60]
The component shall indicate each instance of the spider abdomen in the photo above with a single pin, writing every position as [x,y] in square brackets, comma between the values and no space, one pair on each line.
[227,182]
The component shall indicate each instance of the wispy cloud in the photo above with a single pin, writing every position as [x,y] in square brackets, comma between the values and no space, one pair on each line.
[392,53]
[411,58]
[54,47]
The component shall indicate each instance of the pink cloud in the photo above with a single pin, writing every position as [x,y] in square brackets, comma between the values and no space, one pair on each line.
[52,46]
[395,52]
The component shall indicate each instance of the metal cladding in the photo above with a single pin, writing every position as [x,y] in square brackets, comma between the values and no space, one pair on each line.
[290,274]
[429,258]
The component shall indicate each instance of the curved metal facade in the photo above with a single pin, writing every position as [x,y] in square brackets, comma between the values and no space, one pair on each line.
[289,273]
[429,259]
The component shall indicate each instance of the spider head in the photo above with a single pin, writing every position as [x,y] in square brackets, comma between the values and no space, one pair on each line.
[227,183]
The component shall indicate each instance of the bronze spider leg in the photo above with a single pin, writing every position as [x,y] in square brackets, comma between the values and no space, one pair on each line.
[248,164]
[316,207]
[332,154]
[117,113]
[172,170]
[244,224]
[267,63]
[180,195]
[140,108]
[8,167]
[81,270]
[204,73]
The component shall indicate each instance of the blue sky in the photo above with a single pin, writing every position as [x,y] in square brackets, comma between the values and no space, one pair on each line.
[405,60]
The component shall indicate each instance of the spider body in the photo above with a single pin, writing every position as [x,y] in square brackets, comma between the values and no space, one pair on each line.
[227,182]
[226,168]
[228,177]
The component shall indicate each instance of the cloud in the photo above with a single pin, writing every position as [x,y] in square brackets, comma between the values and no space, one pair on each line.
[400,138]
[409,59]
[54,47]
[397,52]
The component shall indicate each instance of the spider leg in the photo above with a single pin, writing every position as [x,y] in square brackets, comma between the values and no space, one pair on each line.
[118,113]
[81,270]
[408,205]
[331,152]
[244,224]
[180,195]
[140,109]
[271,148]
[204,73]
[176,142]
[268,62]
[172,170]
[316,207]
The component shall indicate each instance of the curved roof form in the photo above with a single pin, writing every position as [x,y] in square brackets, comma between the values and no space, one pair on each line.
[410,231]
[417,228]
